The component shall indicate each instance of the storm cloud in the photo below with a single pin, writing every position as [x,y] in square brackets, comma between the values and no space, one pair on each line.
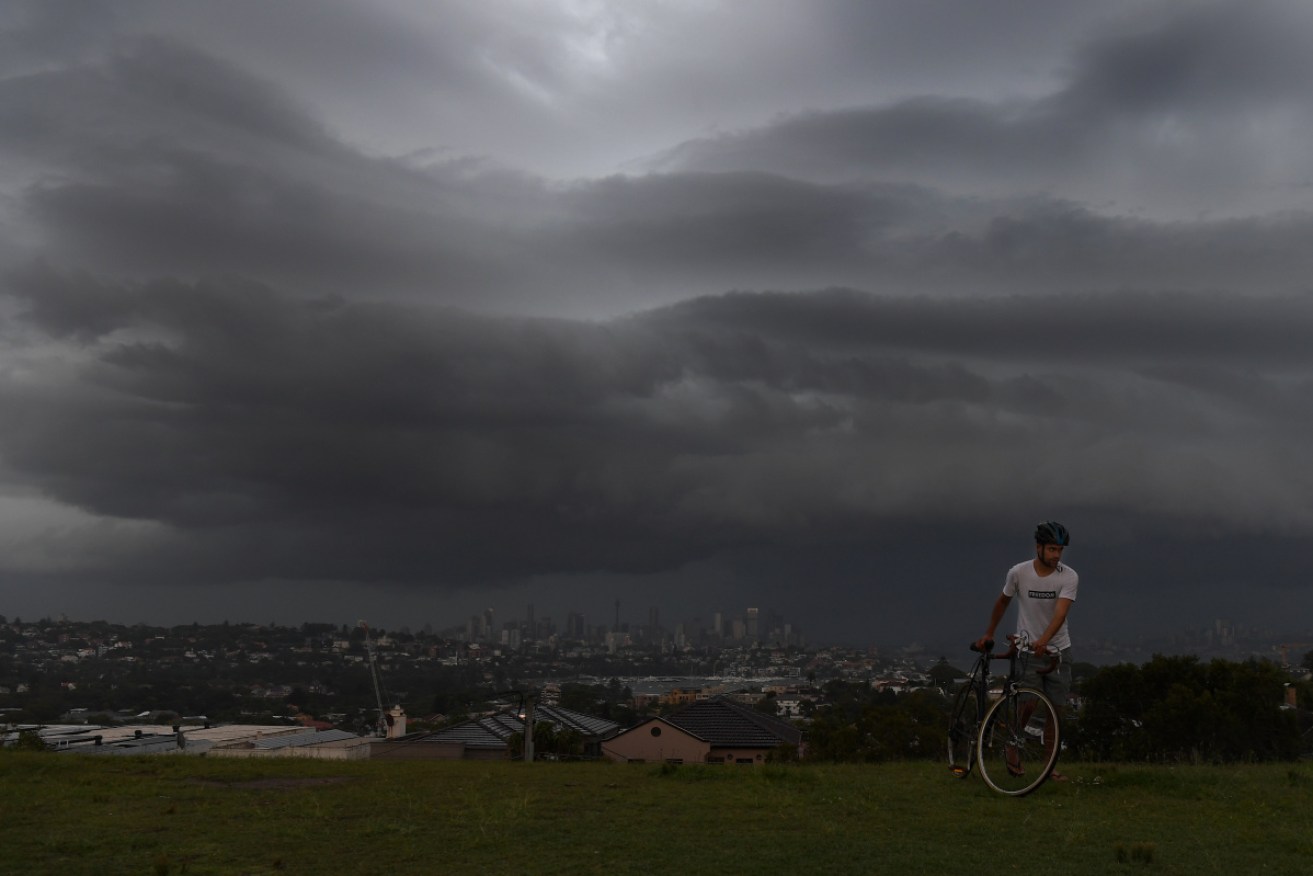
[838,353]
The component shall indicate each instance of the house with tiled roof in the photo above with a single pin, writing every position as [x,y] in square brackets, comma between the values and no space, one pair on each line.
[718,730]
[489,737]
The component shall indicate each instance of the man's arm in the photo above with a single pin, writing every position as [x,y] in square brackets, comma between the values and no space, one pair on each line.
[1000,608]
[1059,618]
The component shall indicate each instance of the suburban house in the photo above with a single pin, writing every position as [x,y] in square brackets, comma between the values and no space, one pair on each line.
[489,738]
[718,730]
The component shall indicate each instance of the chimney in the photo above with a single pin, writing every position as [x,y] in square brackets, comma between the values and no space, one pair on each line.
[396,721]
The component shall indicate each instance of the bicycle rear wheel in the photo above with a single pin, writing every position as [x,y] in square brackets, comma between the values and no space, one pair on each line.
[1019,742]
[963,725]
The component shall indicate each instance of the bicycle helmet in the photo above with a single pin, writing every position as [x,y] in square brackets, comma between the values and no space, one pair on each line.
[1052,532]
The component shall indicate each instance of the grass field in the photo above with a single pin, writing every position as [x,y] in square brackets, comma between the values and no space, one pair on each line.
[69,814]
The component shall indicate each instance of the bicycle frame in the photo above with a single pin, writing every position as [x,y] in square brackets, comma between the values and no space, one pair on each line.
[968,712]
[976,699]
[1018,648]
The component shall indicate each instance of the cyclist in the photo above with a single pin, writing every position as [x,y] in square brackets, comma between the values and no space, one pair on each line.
[1045,588]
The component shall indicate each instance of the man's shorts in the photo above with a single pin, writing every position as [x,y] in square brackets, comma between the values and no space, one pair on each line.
[1057,684]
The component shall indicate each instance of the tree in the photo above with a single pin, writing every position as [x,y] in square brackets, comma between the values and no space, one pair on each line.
[29,740]
[580,697]
[866,726]
[1177,709]
[943,674]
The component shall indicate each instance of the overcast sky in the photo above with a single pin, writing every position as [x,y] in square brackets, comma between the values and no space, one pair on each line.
[325,310]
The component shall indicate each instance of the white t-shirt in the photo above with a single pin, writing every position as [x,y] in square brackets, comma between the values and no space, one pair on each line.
[1037,599]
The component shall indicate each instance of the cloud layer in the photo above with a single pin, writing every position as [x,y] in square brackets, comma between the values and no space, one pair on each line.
[862,340]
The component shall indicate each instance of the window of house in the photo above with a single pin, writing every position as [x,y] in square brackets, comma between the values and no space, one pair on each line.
[656,731]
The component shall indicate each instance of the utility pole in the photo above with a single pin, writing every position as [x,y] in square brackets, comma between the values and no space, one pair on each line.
[528,727]
[373,675]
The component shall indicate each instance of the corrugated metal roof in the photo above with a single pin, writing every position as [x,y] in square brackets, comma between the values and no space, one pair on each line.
[150,738]
[475,734]
[568,719]
[298,740]
[495,731]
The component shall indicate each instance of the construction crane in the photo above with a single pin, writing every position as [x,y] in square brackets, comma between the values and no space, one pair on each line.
[381,728]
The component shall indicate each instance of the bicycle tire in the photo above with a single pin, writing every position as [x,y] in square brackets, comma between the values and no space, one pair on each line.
[963,729]
[1019,742]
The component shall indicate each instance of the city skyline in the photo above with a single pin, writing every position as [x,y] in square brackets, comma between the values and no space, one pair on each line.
[750,625]
[492,629]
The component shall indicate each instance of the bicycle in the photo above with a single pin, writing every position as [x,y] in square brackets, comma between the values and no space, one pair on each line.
[968,713]
[1013,733]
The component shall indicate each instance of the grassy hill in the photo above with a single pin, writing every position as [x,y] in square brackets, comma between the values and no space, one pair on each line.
[62,814]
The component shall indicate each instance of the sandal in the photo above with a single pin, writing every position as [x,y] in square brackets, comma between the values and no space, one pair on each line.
[1013,762]
[1057,777]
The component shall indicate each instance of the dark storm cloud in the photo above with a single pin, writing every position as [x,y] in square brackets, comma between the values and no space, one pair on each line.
[243,341]
[331,439]
[200,169]
[1117,329]
[1190,110]
[762,231]
[1214,56]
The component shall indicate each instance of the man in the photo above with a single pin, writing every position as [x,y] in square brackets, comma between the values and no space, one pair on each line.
[1045,589]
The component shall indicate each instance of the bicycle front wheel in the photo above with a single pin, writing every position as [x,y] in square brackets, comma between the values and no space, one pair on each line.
[962,727]
[1019,742]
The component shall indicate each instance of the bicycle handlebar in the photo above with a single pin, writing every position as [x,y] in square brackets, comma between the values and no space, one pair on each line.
[1016,646]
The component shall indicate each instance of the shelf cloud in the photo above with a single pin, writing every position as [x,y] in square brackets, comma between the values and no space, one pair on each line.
[558,304]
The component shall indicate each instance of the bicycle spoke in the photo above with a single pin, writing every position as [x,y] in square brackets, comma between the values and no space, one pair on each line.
[1019,742]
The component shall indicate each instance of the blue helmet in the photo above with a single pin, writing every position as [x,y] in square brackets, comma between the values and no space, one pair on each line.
[1052,532]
